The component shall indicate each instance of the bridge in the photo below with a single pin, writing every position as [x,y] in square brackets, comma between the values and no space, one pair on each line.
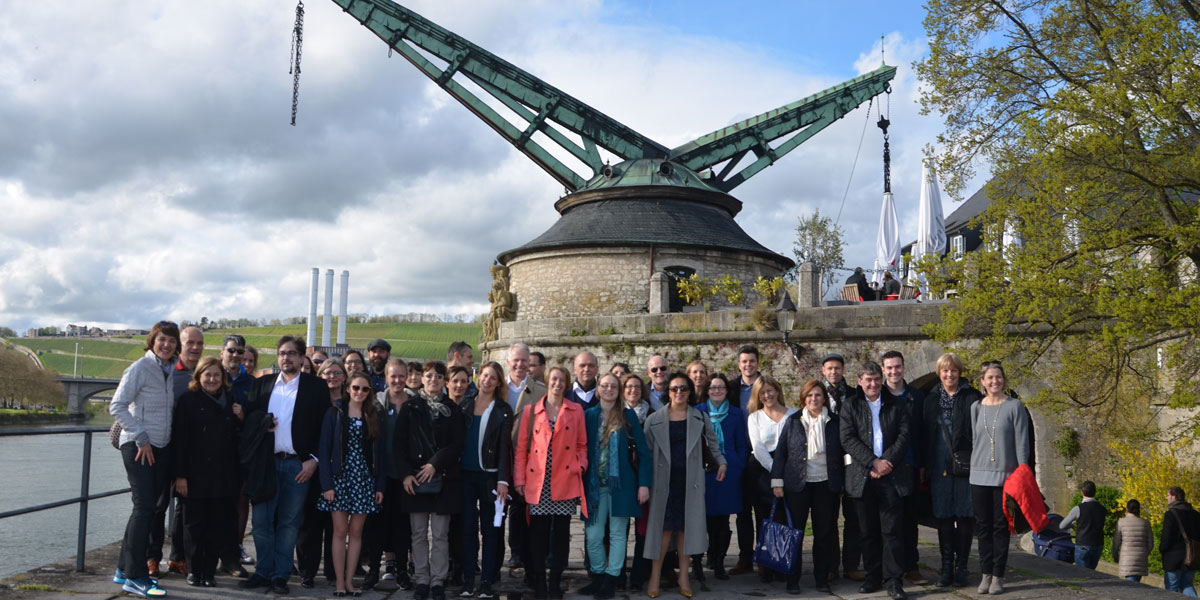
[79,389]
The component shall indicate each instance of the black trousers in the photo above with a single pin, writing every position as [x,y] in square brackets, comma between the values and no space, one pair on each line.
[518,529]
[756,506]
[316,527]
[146,483]
[991,527]
[851,533]
[209,523]
[158,530]
[387,530]
[880,511]
[816,499]
[546,534]
[908,528]
[719,536]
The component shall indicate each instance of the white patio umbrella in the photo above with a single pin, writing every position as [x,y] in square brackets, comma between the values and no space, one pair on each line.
[931,225]
[887,245]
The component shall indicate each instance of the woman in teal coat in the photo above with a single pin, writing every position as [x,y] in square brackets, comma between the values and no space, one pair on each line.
[617,483]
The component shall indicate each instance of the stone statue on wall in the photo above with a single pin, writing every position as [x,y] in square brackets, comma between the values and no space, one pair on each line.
[503,304]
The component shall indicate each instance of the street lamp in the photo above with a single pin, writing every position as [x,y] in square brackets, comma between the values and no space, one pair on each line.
[785,316]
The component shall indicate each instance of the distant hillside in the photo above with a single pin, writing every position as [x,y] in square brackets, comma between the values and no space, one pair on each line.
[109,357]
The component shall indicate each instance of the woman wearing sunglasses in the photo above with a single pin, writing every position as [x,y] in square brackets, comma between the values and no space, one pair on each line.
[673,435]
[352,469]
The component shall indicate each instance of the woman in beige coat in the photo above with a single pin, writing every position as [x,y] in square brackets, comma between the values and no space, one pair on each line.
[674,436]
[1132,542]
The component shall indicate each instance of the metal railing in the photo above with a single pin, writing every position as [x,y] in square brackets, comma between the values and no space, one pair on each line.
[83,498]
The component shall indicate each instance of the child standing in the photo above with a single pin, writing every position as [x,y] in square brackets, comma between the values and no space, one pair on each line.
[352,470]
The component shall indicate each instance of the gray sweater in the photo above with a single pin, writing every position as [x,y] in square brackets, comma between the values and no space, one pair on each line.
[144,403]
[1008,423]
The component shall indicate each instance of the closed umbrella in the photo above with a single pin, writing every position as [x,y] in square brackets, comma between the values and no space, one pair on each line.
[931,225]
[887,245]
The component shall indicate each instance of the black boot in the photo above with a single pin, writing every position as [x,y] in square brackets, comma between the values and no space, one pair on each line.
[554,585]
[960,572]
[593,586]
[946,579]
[607,583]
[718,568]
[698,572]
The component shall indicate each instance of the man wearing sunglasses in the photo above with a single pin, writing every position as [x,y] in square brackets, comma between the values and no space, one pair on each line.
[233,354]
[657,370]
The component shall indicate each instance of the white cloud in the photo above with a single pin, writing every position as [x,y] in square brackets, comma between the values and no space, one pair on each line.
[147,169]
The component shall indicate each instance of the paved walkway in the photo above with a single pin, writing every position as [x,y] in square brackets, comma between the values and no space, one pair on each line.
[1029,577]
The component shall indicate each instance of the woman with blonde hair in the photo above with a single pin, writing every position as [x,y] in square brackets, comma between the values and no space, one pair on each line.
[948,434]
[767,414]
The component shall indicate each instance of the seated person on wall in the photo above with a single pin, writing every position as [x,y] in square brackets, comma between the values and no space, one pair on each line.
[864,289]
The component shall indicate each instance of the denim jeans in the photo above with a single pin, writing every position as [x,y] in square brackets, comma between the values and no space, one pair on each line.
[277,521]
[1180,581]
[146,482]
[1134,578]
[617,542]
[479,510]
[1087,556]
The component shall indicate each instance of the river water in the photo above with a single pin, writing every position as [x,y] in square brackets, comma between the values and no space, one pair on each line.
[47,468]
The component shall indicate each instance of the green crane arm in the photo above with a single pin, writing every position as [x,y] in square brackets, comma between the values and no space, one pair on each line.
[542,106]
[755,134]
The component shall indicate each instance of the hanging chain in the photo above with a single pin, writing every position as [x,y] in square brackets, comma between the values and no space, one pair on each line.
[887,152]
[294,68]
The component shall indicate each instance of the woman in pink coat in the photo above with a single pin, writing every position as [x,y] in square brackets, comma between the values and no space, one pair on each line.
[551,456]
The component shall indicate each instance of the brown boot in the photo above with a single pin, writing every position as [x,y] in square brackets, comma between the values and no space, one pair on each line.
[914,577]
[743,566]
[177,566]
[152,566]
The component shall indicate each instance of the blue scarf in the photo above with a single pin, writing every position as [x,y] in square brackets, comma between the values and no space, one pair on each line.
[716,415]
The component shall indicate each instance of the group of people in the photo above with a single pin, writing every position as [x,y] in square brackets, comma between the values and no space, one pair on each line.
[416,469]
[1133,538]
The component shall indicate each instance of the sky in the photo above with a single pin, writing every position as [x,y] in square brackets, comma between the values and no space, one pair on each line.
[148,170]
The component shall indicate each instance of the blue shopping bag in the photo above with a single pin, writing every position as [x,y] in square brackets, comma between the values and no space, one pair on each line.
[778,544]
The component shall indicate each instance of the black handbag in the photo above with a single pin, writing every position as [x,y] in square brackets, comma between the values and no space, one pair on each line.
[431,487]
[960,460]
[710,461]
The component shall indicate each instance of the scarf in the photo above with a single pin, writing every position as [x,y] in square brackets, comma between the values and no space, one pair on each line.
[815,428]
[946,400]
[642,410]
[437,408]
[716,415]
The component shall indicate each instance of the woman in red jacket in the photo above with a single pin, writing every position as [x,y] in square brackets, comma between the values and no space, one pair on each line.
[548,471]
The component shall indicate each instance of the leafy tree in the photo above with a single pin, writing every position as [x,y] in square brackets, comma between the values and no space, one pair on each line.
[1086,112]
[26,386]
[819,241]
[7,332]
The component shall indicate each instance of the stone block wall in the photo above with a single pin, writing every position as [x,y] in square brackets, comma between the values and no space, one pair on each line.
[579,282]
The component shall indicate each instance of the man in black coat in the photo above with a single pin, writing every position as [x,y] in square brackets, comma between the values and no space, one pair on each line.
[874,432]
[1181,519]
[859,279]
[295,402]
[893,375]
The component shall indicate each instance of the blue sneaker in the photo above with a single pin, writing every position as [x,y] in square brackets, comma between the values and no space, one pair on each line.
[119,577]
[144,587]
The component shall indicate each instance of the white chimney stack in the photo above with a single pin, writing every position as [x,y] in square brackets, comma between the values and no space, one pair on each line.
[311,337]
[341,337]
[327,323]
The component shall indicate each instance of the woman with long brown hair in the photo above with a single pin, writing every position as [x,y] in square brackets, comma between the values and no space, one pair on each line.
[352,461]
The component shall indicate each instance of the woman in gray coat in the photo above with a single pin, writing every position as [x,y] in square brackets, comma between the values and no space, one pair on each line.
[1132,541]
[674,437]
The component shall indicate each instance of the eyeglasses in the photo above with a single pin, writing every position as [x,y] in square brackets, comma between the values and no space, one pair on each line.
[236,350]
[354,362]
[716,388]
[332,373]
[609,386]
[318,361]
[288,353]
[168,324]
[657,369]
[360,388]
[679,388]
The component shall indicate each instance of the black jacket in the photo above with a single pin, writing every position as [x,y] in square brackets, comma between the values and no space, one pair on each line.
[258,455]
[857,436]
[335,431]
[204,443]
[497,435]
[961,430]
[312,400]
[1170,543]
[421,439]
[791,454]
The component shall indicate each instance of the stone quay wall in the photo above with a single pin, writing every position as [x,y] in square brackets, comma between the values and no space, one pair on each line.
[583,282]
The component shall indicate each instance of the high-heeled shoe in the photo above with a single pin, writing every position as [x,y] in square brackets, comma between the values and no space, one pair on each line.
[653,593]
[685,592]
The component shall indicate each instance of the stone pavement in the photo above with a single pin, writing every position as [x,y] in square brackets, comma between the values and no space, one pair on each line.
[1029,577]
